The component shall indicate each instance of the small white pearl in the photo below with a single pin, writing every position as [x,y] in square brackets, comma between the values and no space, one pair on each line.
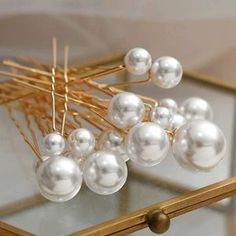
[54,144]
[125,110]
[81,142]
[105,173]
[113,141]
[138,61]
[199,145]
[161,116]
[170,104]
[176,122]
[196,108]
[59,178]
[166,72]
[147,144]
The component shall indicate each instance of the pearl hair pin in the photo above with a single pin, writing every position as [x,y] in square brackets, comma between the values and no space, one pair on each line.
[59,178]
[103,126]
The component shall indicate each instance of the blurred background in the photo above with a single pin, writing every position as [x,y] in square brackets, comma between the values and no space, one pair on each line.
[201,34]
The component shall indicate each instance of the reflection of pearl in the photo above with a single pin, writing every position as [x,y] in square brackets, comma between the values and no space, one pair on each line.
[176,122]
[81,142]
[138,61]
[196,108]
[147,144]
[199,144]
[59,178]
[53,143]
[111,140]
[105,173]
[166,72]
[125,110]
[169,103]
[161,116]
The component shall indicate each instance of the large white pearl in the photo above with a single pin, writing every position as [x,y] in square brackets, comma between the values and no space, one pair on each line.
[104,172]
[170,104]
[199,144]
[81,142]
[125,110]
[161,116]
[138,61]
[113,141]
[53,144]
[147,144]
[59,178]
[166,72]
[176,122]
[196,108]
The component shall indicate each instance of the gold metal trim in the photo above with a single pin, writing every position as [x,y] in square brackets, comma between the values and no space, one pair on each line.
[174,207]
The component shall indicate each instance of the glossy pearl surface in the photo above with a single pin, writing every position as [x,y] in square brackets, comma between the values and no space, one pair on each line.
[125,110]
[196,108]
[81,142]
[161,116]
[176,122]
[170,104]
[166,72]
[113,141]
[53,144]
[147,144]
[138,61]
[105,173]
[199,144]
[59,178]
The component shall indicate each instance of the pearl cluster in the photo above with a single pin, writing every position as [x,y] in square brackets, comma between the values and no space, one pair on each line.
[104,172]
[166,72]
[196,142]
[141,136]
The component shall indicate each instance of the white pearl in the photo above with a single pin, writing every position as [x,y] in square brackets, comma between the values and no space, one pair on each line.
[125,110]
[196,108]
[138,61]
[59,178]
[147,144]
[113,141]
[166,72]
[176,122]
[199,144]
[161,116]
[105,173]
[81,142]
[54,144]
[170,104]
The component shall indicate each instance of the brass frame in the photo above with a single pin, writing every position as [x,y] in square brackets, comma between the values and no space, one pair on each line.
[174,207]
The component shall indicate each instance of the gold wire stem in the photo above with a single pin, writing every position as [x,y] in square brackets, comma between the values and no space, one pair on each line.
[134,82]
[54,64]
[56,94]
[99,87]
[22,132]
[28,124]
[66,52]
[97,75]
[86,118]
[8,74]
[99,102]
[35,71]
[104,119]
[26,68]
[145,98]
